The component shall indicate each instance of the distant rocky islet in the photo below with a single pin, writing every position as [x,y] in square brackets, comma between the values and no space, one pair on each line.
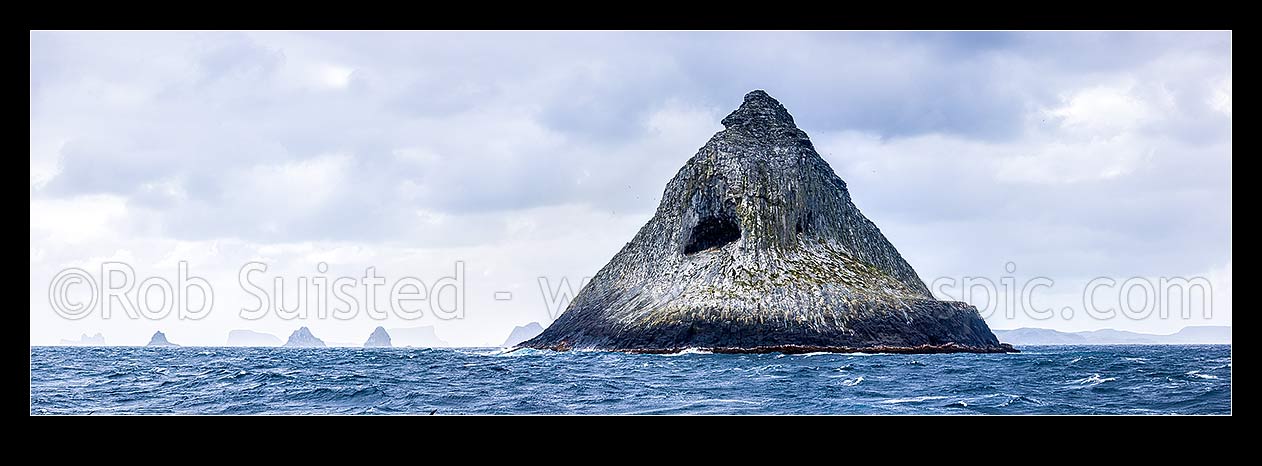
[522,333]
[378,339]
[302,338]
[160,339]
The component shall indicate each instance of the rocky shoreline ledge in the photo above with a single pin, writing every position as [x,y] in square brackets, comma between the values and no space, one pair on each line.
[803,349]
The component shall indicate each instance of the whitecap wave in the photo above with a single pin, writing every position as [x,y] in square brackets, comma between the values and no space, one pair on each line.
[1198,374]
[914,399]
[1014,399]
[492,351]
[1093,380]
[688,351]
[514,352]
[852,382]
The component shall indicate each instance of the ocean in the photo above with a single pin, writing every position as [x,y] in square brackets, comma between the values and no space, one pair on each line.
[1188,379]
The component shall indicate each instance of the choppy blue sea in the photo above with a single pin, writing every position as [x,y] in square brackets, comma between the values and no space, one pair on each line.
[1040,380]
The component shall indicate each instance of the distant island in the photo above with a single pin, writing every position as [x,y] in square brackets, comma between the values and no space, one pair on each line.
[522,333]
[251,338]
[378,339]
[1187,336]
[302,338]
[417,337]
[160,339]
[85,340]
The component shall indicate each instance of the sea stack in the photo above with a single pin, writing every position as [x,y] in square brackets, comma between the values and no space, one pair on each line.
[251,338]
[522,333]
[85,340]
[757,247]
[302,338]
[378,339]
[160,339]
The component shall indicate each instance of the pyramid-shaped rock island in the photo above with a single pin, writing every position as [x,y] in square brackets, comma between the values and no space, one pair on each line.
[756,247]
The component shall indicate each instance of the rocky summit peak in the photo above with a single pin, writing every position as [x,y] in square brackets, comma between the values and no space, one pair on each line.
[378,339]
[302,338]
[759,110]
[160,339]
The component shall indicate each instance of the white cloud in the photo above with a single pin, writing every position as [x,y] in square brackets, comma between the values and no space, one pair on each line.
[1104,111]
[76,220]
[1221,99]
[1055,161]
[333,76]
[294,187]
[530,154]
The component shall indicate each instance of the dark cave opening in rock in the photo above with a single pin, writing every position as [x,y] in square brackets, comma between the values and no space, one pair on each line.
[713,232]
[804,223]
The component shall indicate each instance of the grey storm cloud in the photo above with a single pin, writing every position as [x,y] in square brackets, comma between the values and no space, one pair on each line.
[364,136]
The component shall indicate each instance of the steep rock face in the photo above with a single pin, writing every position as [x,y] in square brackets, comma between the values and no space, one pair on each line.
[756,246]
[378,339]
[159,339]
[302,338]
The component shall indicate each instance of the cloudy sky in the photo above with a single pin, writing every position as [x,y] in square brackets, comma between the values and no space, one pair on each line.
[529,155]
